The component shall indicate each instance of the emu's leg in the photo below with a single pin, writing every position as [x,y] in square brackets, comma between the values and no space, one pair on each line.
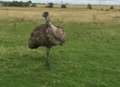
[48,58]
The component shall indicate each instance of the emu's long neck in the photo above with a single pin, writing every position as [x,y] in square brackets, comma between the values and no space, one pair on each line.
[54,28]
[49,23]
[47,20]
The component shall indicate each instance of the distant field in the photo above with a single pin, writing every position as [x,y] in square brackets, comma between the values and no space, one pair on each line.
[89,58]
[68,14]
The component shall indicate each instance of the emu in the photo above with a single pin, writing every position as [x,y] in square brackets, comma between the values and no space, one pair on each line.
[46,35]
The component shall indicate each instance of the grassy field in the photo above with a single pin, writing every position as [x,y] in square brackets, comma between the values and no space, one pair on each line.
[89,58]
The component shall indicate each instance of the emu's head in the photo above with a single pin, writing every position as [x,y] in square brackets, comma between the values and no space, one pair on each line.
[46,16]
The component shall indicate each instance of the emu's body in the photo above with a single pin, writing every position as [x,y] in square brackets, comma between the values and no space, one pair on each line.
[46,35]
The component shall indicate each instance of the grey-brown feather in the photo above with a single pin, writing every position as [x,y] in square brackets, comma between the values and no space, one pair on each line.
[44,36]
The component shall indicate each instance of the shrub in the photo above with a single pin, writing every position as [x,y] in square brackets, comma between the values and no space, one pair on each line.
[63,6]
[89,6]
[111,7]
[33,5]
[50,5]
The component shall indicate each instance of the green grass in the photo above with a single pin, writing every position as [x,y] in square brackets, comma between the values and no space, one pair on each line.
[89,58]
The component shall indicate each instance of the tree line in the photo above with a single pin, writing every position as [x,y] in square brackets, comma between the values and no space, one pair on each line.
[18,3]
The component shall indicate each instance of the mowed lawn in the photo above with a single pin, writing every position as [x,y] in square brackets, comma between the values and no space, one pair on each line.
[89,58]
